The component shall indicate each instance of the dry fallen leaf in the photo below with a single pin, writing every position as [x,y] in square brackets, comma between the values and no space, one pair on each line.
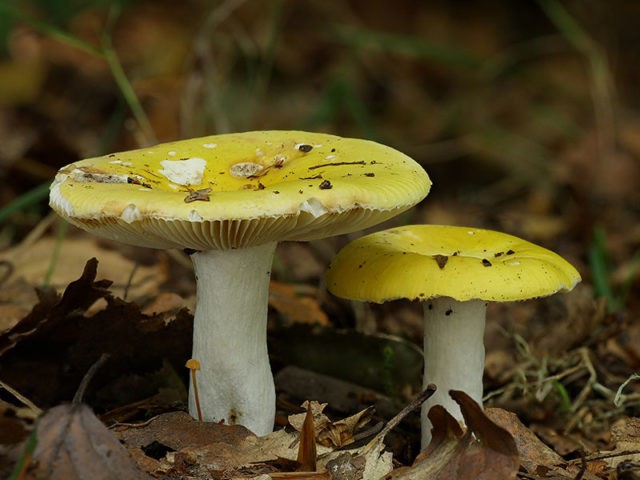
[13,423]
[31,262]
[174,431]
[533,452]
[45,355]
[328,433]
[79,294]
[625,435]
[452,453]
[17,297]
[307,450]
[74,444]
[178,430]
[296,308]
[535,456]
[201,448]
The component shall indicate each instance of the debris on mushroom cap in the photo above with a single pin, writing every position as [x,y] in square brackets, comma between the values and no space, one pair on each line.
[426,261]
[235,190]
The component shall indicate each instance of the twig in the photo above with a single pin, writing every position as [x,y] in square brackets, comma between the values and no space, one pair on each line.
[620,398]
[77,398]
[37,411]
[130,280]
[391,424]
[593,377]
[583,466]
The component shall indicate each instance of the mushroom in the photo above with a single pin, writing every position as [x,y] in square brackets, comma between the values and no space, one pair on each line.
[454,271]
[228,199]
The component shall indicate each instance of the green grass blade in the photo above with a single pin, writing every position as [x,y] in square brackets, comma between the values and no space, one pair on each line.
[52,31]
[599,263]
[27,453]
[63,226]
[565,401]
[25,200]
[123,82]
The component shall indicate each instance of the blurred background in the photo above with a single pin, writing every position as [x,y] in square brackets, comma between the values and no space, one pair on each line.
[525,115]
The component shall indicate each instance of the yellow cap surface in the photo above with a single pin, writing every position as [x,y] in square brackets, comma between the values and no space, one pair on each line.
[426,261]
[235,190]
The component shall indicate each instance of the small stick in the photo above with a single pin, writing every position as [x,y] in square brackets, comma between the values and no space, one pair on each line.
[77,398]
[193,365]
[35,410]
[391,424]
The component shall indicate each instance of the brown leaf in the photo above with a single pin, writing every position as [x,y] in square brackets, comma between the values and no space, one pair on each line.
[178,430]
[301,476]
[294,307]
[625,436]
[347,466]
[533,452]
[444,429]
[46,354]
[491,435]
[329,433]
[233,451]
[74,444]
[320,420]
[485,451]
[29,262]
[79,294]
[535,455]
[13,425]
[307,449]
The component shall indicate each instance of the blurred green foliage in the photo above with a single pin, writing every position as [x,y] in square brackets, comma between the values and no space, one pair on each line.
[602,272]
[55,12]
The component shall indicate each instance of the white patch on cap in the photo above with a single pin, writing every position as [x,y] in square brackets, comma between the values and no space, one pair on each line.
[245,169]
[174,186]
[57,199]
[313,206]
[131,213]
[184,172]
[329,157]
[171,153]
[259,153]
[210,145]
[194,216]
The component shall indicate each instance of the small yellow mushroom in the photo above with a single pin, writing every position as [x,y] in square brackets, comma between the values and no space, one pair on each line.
[193,365]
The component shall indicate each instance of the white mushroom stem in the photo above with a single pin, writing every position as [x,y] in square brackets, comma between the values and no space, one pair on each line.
[453,354]
[230,337]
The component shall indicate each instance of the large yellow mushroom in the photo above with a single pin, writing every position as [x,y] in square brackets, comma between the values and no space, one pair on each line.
[229,199]
[454,271]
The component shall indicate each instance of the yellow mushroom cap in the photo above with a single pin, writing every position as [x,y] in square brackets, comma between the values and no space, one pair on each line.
[426,261]
[237,190]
